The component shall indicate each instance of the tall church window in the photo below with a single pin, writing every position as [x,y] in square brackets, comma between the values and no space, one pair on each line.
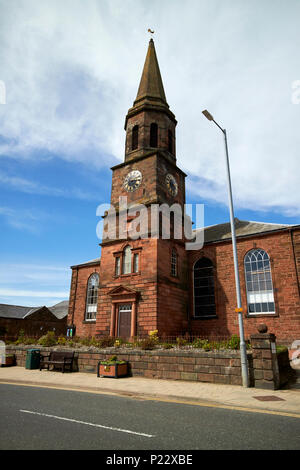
[204,289]
[126,268]
[92,297]
[136,263]
[117,266]
[259,286]
[170,141]
[153,134]
[135,138]
[174,262]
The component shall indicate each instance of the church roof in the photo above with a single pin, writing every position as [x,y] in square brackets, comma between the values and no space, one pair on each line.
[151,86]
[87,263]
[243,228]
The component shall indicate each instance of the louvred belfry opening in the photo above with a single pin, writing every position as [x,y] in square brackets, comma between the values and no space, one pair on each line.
[150,114]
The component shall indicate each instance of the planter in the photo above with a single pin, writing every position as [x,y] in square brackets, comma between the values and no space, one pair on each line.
[113,370]
[9,360]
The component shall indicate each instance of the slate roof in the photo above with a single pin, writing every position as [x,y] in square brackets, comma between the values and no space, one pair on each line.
[16,311]
[92,261]
[60,310]
[243,228]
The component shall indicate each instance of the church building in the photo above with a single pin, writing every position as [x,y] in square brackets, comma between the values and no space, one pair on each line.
[155,283]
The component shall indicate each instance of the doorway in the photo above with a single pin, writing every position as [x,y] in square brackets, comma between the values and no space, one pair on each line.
[124,320]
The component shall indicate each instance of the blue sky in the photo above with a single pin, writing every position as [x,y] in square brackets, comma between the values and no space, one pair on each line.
[71,70]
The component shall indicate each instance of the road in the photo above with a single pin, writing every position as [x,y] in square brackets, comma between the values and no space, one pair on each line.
[39,418]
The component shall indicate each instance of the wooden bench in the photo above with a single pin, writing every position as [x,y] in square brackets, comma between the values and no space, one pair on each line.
[58,359]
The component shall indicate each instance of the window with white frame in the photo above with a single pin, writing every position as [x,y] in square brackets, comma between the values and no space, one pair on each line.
[117,266]
[136,263]
[92,297]
[259,286]
[126,268]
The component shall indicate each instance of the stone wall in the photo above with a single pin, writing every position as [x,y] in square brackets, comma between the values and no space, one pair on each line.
[215,367]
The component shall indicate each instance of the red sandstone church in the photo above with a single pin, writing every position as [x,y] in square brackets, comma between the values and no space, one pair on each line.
[153,283]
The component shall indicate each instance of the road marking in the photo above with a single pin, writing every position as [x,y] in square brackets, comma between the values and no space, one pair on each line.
[89,424]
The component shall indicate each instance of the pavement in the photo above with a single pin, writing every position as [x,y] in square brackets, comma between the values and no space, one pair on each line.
[285,403]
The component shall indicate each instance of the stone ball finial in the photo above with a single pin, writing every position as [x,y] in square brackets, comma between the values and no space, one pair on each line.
[262,328]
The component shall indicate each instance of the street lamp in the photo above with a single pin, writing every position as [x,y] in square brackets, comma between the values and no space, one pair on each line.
[239,309]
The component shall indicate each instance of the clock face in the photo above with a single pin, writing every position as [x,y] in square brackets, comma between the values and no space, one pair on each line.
[133,180]
[171,184]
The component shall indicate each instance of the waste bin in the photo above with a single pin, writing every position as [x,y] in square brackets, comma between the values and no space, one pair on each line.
[33,359]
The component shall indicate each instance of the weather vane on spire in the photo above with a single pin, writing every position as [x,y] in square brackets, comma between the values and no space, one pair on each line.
[151,32]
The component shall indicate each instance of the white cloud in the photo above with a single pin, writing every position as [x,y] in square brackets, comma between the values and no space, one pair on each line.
[32,187]
[33,284]
[71,71]
[33,293]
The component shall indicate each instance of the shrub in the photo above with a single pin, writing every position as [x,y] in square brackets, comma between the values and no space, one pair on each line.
[233,342]
[153,336]
[27,340]
[181,342]
[21,337]
[202,344]
[61,340]
[166,345]
[146,343]
[48,339]
[106,342]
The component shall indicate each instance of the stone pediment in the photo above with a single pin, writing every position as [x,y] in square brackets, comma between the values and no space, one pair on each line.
[123,291]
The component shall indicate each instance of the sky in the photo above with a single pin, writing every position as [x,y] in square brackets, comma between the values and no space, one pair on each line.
[69,72]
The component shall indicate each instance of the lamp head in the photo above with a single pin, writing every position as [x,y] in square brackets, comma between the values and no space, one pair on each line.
[207,115]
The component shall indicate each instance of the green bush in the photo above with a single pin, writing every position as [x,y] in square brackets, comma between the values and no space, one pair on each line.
[61,340]
[48,339]
[146,343]
[234,342]
[202,344]
[181,342]
[106,342]
[167,345]
[21,337]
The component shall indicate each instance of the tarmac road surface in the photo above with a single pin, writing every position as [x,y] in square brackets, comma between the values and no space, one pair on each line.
[40,418]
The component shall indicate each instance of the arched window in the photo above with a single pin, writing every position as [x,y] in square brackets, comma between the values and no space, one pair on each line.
[126,268]
[170,141]
[204,289]
[135,138]
[174,262]
[153,134]
[92,297]
[259,286]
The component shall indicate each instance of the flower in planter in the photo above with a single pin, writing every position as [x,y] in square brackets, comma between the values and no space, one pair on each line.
[112,367]
[112,360]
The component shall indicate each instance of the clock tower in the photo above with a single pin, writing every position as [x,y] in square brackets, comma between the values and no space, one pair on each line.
[143,280]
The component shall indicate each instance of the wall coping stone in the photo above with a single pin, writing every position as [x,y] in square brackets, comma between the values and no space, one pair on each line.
[223,354]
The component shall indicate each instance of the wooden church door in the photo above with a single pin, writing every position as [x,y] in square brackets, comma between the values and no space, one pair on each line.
[124,320]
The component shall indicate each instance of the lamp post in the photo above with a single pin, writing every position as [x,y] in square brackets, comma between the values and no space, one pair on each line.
[239,309]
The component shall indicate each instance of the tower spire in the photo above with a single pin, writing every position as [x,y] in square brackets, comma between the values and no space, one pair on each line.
[151,86]
[150,124]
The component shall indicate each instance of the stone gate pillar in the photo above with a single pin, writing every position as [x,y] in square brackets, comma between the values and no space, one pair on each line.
[265,364]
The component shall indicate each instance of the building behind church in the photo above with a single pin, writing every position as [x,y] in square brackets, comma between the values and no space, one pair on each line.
[151,283]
